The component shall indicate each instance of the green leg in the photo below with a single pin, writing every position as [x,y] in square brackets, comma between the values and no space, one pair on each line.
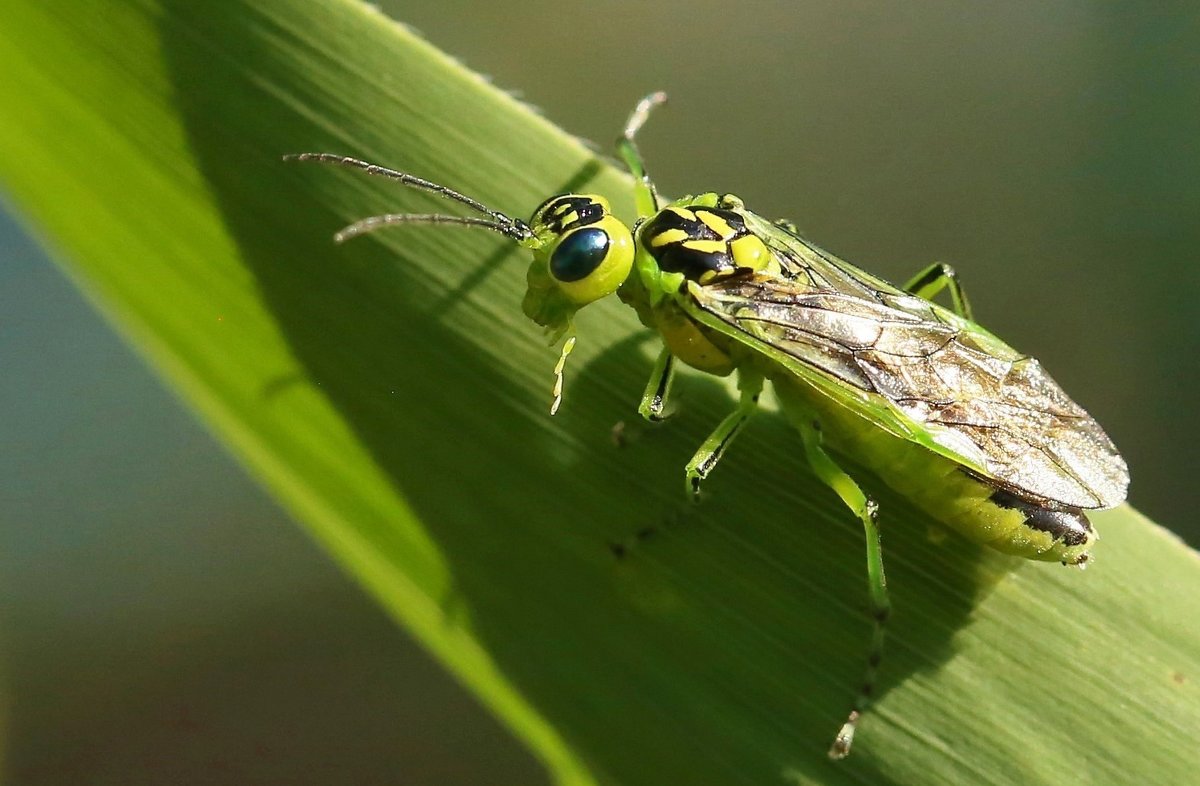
[646,198]
[714,447]
[881,606]
[933,280]
[658,389]
[787,226]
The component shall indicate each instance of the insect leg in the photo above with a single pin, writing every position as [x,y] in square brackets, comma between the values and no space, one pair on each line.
[714,447]
[645,195]
[658,389]
[933,280]
[865,508]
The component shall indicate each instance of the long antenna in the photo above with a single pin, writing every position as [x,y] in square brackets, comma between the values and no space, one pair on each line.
[373,223]
[514,228]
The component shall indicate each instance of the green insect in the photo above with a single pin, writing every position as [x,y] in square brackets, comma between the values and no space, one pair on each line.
[974,433]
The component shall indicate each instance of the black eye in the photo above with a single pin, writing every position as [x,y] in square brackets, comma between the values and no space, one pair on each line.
[579,253]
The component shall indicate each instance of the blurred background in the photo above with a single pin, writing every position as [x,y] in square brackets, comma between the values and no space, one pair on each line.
[1049,151]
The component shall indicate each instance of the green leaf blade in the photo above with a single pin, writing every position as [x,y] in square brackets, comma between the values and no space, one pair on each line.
[392,396]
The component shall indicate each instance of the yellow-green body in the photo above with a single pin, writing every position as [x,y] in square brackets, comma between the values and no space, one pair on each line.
[938,485]
[937,469]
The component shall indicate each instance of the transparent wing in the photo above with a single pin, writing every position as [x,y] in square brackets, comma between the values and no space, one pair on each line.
[919,371]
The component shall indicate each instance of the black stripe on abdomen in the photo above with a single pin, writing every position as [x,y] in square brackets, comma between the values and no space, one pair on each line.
[1064,523]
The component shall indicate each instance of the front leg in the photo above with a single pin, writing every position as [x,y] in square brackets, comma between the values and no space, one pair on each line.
[658,389]
[933,279]
[644,193]
[714,447]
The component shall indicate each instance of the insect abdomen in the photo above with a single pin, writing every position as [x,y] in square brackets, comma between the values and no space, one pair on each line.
[975,507]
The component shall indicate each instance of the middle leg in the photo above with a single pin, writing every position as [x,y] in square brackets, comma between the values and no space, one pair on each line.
[933,279]
[718,441]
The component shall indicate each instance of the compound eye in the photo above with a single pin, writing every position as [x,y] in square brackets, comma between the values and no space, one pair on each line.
[579,254]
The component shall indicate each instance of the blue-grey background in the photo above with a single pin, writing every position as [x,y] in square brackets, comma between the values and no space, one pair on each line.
[162,617]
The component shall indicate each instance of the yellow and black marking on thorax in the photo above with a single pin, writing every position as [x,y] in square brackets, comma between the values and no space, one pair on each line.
[704,244]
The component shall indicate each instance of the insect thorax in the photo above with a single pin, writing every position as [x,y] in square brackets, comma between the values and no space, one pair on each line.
[702,243]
